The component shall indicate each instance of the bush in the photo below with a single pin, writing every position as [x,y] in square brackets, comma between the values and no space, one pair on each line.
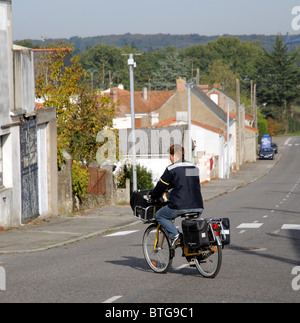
[262,128]
[144,177]
[80,179]
[275,127]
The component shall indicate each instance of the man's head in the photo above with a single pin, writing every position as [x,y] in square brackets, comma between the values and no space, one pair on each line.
[176,153]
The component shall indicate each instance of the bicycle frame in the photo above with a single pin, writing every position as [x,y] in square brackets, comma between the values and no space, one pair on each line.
[156,239]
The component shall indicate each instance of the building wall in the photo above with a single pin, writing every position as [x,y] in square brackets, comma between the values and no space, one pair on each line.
[251,145]
[17,104]
[24,79]
[6,68]
[199,112]
[46,119]
[10,195]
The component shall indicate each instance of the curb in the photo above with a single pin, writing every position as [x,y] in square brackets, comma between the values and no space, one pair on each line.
[67,242]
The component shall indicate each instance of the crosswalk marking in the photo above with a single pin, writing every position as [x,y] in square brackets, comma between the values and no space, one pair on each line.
[121,233]
[249,226]
[290,227]
[253,225]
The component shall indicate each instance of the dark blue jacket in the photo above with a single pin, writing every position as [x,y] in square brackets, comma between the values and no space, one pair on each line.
[183,178]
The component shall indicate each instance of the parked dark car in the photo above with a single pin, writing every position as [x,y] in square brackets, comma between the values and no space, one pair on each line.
[275,148]
[266,153]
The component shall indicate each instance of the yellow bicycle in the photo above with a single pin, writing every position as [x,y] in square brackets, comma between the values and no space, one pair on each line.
[207,259]
[202,240]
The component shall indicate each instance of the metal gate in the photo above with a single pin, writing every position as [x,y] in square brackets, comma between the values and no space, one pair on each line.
[29,170]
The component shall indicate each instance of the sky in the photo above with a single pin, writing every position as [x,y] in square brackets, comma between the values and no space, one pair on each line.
[38,19]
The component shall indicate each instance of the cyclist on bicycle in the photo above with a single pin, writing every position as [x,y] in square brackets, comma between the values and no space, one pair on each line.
[183,178]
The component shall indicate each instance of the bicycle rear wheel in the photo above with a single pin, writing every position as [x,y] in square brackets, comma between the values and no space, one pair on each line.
[209,263]
[156,248]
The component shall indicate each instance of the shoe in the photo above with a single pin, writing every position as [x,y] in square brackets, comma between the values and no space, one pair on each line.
[192,263]
[175,241]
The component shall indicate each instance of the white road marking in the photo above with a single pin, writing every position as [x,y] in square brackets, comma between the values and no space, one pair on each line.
[249,226]
[290,227]
[121,233]
[182,266]
[287,141]
[112,299]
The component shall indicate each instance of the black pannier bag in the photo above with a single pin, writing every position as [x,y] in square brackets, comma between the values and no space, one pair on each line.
[141,208]
[226,229]
[195,233]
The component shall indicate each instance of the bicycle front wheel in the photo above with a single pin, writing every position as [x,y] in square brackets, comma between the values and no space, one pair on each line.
[209,262]
[156,248]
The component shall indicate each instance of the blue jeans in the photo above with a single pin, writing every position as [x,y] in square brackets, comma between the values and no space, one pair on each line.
[165,215]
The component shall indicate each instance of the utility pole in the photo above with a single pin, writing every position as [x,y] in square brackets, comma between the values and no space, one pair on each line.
[189,86]
[228,147]
[251,97]
[198,77]
[255,106]
[238,125]
[132,64]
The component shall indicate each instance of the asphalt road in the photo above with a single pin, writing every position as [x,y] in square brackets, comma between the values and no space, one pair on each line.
[260,265]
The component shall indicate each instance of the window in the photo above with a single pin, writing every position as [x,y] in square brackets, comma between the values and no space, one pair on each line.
[214,97]
[1,163]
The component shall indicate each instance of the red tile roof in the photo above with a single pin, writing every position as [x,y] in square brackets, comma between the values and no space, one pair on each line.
[207,127]
[155,99]
[172,120]
[251,129]
[165,123]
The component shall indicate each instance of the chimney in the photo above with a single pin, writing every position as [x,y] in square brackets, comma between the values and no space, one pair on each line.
[114,95]
[154,118]
[145,93]
[180,84]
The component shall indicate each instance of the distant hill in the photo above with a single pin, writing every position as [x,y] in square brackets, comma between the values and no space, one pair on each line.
[148,43]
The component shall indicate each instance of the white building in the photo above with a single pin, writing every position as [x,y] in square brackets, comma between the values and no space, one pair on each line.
[28,153]
[209,151]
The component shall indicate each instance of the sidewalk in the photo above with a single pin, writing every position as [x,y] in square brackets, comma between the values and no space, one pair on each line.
[45,233]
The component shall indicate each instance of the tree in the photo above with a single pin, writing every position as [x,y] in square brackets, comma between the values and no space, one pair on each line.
[221,73]
[107,65]
[278,80]
[144,177]
[169,69]
[27,43]
[81,114]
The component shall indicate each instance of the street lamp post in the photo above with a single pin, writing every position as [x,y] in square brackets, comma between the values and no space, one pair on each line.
[132,64]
